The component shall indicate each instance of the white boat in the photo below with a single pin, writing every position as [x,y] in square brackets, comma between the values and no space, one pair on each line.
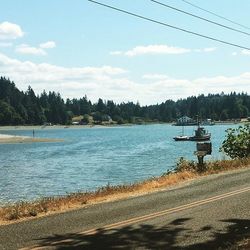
[181,137]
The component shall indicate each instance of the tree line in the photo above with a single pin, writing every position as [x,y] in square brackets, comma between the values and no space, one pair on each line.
[19,107]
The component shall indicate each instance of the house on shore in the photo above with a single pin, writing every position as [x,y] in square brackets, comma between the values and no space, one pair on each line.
[185,121]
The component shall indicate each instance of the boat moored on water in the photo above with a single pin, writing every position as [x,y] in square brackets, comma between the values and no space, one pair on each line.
[181,138]
[200,135]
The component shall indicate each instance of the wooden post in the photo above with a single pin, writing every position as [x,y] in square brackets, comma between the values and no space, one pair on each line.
[200,162]
[200,156]
[203,149]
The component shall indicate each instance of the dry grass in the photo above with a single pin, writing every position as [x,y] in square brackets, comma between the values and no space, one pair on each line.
[185,170]
[244,244]
[212,167]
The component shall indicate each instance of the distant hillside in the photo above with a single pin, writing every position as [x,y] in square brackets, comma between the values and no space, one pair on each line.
[18,107]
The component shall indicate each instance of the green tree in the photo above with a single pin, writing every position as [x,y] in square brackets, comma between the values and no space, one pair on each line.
[224,115]
[100,107]
[8,115]
[237,142]
[85,119]
[84,106]
[26,107]
[97,116]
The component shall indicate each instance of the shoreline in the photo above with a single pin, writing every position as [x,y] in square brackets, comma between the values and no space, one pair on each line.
[11,139]
[41,127]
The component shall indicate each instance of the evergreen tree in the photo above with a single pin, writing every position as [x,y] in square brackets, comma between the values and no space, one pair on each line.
[17,107]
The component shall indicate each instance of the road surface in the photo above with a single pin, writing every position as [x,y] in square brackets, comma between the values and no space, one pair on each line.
[205,213]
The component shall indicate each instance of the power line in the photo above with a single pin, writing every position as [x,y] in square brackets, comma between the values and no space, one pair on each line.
[199,17]
[212,13]
[168,25]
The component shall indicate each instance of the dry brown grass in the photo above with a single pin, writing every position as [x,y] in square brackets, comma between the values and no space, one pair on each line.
[212,167]
[244,244]
[185,170]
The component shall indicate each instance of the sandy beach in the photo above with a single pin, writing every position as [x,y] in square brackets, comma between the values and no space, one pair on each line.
[4,138]
[41,127]
[36,127]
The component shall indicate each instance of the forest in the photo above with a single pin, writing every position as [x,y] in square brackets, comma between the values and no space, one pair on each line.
[28,108]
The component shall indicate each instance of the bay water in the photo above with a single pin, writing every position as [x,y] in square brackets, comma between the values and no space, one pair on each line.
[90,158]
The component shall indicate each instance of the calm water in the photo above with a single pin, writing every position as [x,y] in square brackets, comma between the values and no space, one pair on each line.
[92,157]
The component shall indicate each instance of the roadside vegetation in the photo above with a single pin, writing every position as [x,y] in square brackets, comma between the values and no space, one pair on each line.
[237,142]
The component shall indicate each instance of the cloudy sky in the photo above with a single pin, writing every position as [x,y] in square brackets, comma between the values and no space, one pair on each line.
[78,48]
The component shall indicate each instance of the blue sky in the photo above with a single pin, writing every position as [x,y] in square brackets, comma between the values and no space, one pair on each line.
[77,48]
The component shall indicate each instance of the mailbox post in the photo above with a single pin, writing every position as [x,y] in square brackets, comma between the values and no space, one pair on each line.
[203,149]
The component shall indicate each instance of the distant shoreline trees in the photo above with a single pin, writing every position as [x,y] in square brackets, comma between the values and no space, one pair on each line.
[18,107]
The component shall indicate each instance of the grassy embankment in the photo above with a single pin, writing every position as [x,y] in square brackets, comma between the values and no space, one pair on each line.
[185,170]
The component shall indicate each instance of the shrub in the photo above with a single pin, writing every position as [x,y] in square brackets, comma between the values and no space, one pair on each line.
[237,142]
[185,165]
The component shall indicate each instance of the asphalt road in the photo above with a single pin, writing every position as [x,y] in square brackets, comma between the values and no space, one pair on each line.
[208,213]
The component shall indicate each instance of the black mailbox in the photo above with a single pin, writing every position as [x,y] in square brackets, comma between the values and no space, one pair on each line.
[205,147]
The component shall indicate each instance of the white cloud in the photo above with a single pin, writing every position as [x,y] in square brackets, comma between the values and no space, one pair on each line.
[152,50]
[159,50]
[242,52]
[209,49]
[205,50]
[30,50]
[155,49]
[245,52]
[10,31]
[226,84]
[48,45]
[26,49]
[174,88]
[155,76]
[113,83]
[70,82]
